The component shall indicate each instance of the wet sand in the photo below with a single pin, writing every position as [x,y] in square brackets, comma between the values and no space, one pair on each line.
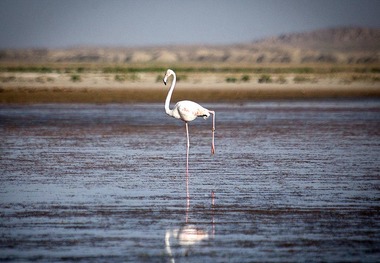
[293,181]
[222,93]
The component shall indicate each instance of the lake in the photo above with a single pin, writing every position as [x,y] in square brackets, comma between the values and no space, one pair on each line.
[292,181]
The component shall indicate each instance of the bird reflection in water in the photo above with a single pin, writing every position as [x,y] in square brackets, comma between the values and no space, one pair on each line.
[180,241]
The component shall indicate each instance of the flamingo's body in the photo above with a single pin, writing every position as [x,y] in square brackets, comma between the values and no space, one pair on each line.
[187,111]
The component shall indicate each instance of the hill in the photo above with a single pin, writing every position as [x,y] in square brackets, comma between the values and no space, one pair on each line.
[347,45]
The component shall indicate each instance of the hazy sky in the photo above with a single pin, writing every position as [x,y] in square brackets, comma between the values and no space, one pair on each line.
[66,23]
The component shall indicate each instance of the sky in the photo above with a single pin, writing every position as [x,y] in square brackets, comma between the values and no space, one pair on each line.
[129,23]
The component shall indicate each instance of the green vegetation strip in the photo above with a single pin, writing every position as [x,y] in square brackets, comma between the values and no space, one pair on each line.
[57,68]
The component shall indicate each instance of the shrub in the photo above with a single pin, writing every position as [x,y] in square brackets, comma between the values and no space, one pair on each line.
[133,77]
[159,78]
[76,78]
[302,79]
[245,78]
[43,79]
[181,78]
[7,79]
[265,79]
[231,79]
[281,80]
[119,78]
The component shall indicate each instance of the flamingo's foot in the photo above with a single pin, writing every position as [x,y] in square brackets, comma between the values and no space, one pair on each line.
[212,149]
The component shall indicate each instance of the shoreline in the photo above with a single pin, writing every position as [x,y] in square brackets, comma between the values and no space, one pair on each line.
[33,87]
[149,94]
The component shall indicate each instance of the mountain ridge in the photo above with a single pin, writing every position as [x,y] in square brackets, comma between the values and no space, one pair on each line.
[342,39]
[347,45]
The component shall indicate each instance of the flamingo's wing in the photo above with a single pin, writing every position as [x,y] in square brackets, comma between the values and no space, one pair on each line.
[189,110]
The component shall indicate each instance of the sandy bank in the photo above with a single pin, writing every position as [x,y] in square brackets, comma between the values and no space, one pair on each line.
[148,87]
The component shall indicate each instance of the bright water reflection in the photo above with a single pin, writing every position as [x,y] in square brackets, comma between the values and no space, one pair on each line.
[181,241]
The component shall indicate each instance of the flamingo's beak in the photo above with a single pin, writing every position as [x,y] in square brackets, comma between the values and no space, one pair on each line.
[165,80]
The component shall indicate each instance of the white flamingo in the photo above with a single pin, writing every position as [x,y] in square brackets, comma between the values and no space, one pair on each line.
[187,111]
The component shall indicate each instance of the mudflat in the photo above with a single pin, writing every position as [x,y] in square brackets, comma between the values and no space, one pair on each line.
[32,87]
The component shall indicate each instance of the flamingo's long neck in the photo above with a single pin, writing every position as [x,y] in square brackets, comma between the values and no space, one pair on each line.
[169,96]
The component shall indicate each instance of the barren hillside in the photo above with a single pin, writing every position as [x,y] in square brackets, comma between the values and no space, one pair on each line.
[347,45]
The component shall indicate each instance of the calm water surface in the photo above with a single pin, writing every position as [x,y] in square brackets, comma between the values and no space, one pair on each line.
[293,181]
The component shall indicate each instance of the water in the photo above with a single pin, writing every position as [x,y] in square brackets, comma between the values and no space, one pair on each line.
[293,181]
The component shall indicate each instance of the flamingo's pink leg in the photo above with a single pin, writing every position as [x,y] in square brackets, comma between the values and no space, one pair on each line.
[213,132]
[187,162]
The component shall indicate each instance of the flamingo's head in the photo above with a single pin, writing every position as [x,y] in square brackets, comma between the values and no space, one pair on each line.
[169,72]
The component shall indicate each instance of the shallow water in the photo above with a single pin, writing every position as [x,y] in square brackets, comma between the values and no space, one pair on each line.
[293,181]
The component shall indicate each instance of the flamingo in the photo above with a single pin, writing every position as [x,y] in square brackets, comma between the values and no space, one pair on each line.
[187,111]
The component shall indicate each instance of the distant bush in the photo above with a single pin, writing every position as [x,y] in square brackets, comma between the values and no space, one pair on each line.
[76,78]
[120,78]
[42,79]
[231,79]
[302,79]
[245,78]
[133,77]
[265,79]
[281,80]
[7,79]
[159,78]
[365,77]
[181,77]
